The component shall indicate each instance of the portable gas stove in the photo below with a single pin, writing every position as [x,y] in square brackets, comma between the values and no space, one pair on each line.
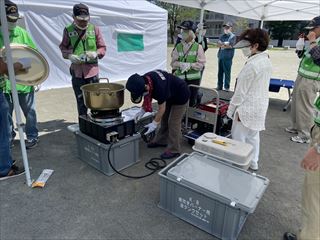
[106,126]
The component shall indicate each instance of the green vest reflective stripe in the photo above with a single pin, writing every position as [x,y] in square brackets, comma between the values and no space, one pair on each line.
[191,57]
[20,36]
[308,68]
[88,45]
[316,115]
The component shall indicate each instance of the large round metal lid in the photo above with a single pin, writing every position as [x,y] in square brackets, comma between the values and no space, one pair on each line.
[39,70]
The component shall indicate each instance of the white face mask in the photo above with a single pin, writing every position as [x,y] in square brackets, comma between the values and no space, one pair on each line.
[11,25]
[185,35]
[246,51]
[226,31]
[81,28]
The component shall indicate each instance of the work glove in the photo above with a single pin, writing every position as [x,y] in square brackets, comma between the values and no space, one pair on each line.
[300,44]
[91,55]
[230,113]
[75,59]
[139,115]
[151,127]
[25,62]
[185,66]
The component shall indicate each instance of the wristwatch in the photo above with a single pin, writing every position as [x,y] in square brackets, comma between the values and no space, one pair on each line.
[317,147]
[313,42]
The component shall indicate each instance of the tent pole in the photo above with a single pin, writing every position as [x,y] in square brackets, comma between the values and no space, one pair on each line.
[261,24]
[5,33]
[202,4]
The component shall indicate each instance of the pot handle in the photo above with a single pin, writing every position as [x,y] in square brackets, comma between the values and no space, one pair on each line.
[105,79]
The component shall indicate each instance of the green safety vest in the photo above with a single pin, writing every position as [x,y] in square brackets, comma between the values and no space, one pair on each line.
[316,115]
[20,36]
[191,57]
[308,68]
[87,45]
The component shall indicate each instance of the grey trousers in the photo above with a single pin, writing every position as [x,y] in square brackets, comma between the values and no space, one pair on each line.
[303,95]
[170,128]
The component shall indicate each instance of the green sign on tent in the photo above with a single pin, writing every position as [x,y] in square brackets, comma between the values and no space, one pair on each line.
[128,42]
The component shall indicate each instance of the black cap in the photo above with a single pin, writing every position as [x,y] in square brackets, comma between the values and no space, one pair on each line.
[81,12]
[11,10]
[314,23]
[228,24]
[188,25]
[136,86]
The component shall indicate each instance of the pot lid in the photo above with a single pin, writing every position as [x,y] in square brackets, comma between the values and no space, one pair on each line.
[39,70]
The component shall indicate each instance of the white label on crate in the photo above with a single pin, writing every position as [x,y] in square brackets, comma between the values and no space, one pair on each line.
[194,208]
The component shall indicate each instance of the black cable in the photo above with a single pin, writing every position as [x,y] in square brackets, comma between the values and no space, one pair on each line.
[153,164]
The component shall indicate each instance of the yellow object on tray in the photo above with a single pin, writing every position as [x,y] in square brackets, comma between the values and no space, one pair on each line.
[220,142]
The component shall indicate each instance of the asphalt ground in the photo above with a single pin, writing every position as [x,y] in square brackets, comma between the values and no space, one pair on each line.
[79,202]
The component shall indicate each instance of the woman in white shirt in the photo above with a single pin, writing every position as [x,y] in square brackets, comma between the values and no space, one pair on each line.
[249,104]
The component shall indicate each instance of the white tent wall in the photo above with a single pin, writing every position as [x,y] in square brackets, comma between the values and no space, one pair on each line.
[46,20]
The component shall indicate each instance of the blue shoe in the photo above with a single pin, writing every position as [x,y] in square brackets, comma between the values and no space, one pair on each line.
[169,155]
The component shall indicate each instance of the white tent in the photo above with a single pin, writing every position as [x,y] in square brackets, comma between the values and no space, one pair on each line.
[263,10]
[46,19]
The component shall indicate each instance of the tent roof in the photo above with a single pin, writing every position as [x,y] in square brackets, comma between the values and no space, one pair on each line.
[96,7]
[266,10]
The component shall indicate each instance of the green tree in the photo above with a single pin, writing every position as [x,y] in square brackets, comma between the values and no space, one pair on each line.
[177,14]
[285,30]
[240,25]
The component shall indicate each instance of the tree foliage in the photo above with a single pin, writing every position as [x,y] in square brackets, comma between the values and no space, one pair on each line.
[177,14]
[285,30]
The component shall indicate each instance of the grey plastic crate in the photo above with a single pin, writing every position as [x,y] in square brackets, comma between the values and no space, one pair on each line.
[122,154]
[210,194]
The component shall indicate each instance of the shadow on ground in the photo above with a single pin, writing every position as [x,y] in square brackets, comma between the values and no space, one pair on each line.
[79,202]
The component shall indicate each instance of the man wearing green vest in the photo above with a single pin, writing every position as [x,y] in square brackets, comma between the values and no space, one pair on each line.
[307,84]
[8,169]
[25,93]
[83,45]
[188,58]
[311,186]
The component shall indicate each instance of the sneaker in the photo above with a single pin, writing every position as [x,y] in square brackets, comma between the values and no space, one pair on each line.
[299,139]
[31,143]
[226,89]
[291,130]
[169,155]
[289,236]
[254,166]
[14,172]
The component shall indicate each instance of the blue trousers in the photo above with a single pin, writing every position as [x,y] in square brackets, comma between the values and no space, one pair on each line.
[27,104]
[5,154]
[224,73]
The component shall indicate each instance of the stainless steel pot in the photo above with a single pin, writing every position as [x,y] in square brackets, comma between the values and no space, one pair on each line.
[103,96]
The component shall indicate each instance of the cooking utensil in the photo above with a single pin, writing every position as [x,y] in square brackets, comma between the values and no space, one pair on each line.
[39,70]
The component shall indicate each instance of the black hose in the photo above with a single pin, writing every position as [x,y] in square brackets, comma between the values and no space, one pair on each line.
[153,164]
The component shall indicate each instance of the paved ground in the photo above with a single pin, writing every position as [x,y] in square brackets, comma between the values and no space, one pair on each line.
[79,202]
